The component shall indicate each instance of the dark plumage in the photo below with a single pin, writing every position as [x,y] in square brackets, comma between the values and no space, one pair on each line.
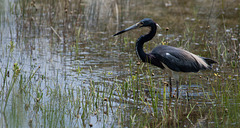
[167,57]
[178,60]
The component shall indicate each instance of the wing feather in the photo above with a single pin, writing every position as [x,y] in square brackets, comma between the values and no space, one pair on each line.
[178,59]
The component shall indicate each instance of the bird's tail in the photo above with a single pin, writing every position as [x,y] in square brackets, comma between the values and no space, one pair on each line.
[209,61]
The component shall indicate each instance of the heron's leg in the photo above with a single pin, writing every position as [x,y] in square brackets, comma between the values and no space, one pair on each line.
[177,83]
[170,86]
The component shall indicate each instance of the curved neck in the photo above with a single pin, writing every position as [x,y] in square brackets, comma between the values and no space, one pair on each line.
[144,38]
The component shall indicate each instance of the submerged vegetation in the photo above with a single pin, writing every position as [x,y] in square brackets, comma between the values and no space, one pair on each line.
[60,66]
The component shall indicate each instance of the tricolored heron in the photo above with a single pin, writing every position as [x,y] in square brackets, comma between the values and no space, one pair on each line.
[167,57]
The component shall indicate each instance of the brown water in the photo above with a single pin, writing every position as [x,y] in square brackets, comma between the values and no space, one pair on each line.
[62,36]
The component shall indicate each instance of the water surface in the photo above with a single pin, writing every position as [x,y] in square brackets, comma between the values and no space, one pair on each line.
[85,76]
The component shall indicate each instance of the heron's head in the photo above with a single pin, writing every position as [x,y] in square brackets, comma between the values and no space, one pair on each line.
[146,22]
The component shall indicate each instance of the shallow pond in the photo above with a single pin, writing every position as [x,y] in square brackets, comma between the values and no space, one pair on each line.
[61,66]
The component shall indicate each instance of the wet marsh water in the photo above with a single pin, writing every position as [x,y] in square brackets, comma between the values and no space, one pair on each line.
[61,67]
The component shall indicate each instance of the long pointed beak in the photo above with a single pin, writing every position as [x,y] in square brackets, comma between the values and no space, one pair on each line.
[127,29]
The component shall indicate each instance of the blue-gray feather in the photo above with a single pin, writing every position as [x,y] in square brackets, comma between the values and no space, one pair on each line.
[179,60]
